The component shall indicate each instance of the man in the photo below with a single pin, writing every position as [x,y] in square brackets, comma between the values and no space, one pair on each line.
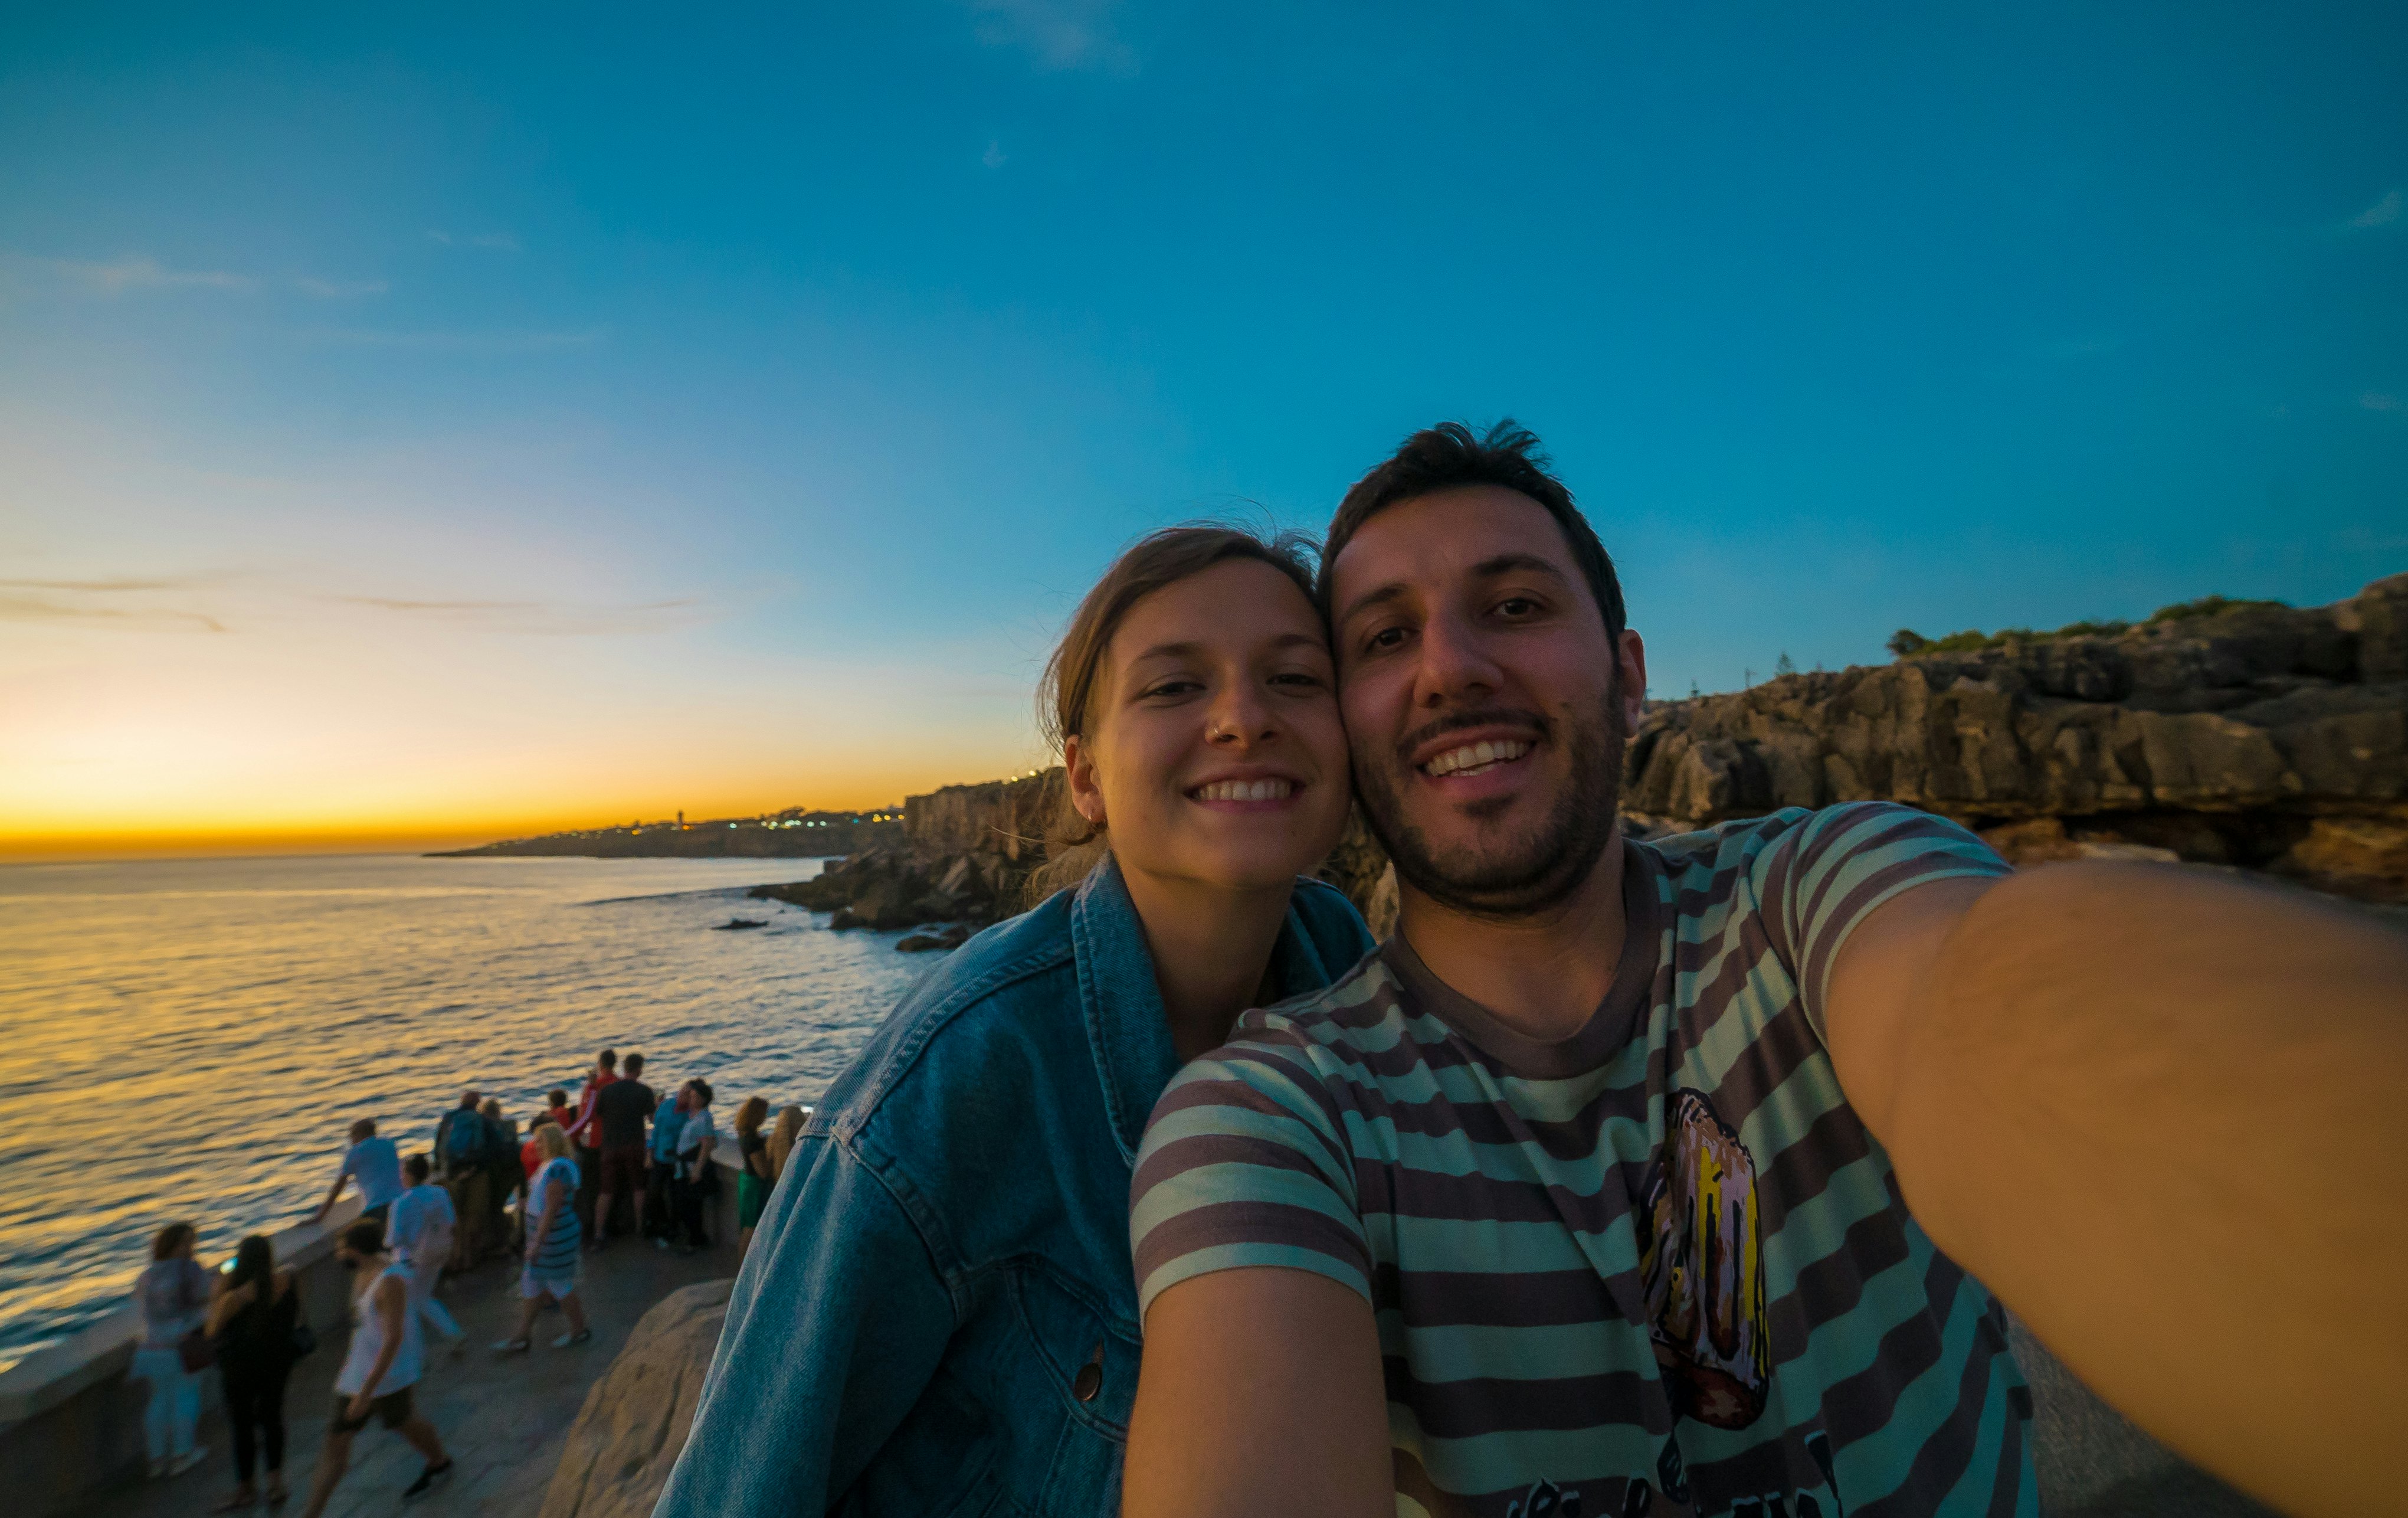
[690,1186]
[669,1126]
[620,1112]
[1622,1175]
[583,1132]
[463,1143]
[376,1165]
[379,1370]
[419,1234]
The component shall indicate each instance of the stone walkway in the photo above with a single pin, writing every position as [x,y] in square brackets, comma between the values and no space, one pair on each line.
[503,1420]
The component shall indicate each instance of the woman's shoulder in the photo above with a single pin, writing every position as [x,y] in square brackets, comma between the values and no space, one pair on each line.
[993,987]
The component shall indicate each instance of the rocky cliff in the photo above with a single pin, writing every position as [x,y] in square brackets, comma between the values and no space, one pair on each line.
[964,857]
[2262,736]
[636,1417]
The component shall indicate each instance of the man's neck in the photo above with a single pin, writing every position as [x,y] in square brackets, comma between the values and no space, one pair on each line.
[1543,975]
[1212,947]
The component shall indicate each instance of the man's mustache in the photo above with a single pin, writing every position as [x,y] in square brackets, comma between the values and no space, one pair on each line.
[1485,716]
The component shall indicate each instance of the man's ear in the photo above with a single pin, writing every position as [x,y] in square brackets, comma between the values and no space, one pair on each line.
[1078,764]
[1630,668]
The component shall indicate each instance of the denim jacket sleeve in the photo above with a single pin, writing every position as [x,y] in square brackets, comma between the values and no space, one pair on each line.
[836,1328]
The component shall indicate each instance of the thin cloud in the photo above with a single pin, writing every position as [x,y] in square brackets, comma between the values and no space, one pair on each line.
[2375,401]
[993,157]
[1061,35]
[119,276]
[541,618]
[2382,213]
[100,586]
[498,241]
[36,609]
[483,344]
[341,289]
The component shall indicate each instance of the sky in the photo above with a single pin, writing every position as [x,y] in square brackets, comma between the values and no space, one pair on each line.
[429,425]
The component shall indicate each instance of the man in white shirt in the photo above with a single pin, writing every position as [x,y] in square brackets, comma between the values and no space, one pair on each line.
[376,1165]
[419,1232]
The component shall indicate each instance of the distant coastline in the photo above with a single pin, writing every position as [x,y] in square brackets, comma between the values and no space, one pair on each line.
[793,834]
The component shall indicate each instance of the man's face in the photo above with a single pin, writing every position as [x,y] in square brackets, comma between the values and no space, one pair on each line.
[1487,708]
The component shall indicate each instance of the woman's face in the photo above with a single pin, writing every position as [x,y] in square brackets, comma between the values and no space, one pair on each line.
[1213,753]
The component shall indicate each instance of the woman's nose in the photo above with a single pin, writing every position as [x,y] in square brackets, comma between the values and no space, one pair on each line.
[1240,718]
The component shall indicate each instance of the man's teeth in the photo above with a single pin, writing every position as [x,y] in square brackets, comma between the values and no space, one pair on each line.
[1473,758]
[1245,791]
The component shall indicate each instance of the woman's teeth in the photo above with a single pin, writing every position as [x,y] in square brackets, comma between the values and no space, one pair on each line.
[1245,791]
[1474,759]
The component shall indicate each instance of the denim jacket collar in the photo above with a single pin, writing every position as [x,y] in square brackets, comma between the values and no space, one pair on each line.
[1127,1025]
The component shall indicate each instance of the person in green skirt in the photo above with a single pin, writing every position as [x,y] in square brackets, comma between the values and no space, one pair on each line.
[754,1176]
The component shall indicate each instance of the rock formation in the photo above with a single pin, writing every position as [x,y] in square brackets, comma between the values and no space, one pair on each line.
[2261,736]
[965,856]
[636,1417]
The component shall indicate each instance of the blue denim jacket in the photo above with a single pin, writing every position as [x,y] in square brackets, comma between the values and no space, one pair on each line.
[938,1316]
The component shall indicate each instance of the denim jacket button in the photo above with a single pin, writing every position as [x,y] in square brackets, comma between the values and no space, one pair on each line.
[1090,1378]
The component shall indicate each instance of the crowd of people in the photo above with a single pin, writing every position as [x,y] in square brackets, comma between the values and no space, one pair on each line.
[623,1161]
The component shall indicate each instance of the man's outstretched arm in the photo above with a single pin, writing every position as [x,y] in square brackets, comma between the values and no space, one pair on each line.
[2158,1112]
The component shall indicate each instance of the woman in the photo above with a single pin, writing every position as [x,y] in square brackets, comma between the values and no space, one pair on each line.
[552,1247]
[781,1139]
[251,1320]
[755,1173]
[943,1318]
[172,1294]
[696,1178]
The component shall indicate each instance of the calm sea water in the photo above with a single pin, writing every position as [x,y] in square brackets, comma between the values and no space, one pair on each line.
[191,1038]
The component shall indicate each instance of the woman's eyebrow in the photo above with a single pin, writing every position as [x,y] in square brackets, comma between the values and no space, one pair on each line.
[1184,650]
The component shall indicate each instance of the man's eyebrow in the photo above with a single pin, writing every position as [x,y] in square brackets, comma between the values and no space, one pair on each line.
[1488,568]
[1393,590]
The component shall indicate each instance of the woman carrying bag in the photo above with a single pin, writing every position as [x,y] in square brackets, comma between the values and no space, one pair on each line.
[255,1322]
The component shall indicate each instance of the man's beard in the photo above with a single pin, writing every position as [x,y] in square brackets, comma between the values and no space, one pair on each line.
[1500,877]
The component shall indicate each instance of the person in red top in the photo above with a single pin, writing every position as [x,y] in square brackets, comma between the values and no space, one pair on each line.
[586,1133]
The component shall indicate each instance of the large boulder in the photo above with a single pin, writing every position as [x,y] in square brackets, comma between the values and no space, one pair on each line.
[636,1417]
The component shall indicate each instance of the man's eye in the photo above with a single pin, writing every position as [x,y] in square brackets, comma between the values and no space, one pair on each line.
[1385,639]
[1517,606]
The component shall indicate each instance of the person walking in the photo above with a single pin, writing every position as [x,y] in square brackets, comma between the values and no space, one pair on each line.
[420,1234]
[552,1255]
[253,1321]
[461,1141]
[531,1159]
[376,1165]
[584,1135]
[386,1361]
[754,1175]
[695,1180]
[669,1126]
[620,1113]
[172,1294]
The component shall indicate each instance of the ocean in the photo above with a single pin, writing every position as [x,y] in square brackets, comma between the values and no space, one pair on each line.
[191,1038]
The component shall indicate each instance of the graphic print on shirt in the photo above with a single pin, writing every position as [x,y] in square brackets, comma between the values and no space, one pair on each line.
[1702,1269]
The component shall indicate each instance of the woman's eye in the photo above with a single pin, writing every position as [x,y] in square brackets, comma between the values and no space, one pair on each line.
[1174,687]
[1303,679]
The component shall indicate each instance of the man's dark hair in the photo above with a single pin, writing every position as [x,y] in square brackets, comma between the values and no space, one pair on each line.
[467,1098]
[635,1064]
[1448,456]
[365,1237]
[556,1097]
[416,1168]
[701,1089]
[365,1128]
[609,1060]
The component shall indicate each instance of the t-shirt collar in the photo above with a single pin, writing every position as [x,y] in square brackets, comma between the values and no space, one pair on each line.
[1597,1040]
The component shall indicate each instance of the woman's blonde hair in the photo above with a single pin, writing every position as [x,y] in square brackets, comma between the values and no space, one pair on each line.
[1066,697]
[781,1139]
[751,1114]
[551,1141]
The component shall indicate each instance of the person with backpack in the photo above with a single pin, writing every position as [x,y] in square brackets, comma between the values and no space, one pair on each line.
[463,1143]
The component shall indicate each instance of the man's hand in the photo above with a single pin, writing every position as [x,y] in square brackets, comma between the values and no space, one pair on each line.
[1288,1419]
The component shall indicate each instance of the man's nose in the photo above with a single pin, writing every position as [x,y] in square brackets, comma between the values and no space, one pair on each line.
[1455,664]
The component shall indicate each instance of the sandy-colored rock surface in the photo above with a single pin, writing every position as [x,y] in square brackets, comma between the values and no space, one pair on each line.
[636,1418]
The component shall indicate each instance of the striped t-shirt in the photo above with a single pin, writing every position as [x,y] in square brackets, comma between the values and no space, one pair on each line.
[1658,1267]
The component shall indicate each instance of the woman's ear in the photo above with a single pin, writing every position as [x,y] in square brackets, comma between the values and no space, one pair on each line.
[1086,794]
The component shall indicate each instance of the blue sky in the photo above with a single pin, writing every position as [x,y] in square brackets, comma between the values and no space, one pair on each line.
[731,410]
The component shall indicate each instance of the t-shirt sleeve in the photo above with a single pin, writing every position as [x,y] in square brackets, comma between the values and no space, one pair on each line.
[1822,878]
[1246,1163]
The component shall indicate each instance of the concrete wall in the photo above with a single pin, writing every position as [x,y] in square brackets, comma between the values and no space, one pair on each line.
[71,1418]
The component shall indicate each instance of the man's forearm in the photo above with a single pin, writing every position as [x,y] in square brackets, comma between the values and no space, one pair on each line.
[2158,1111]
